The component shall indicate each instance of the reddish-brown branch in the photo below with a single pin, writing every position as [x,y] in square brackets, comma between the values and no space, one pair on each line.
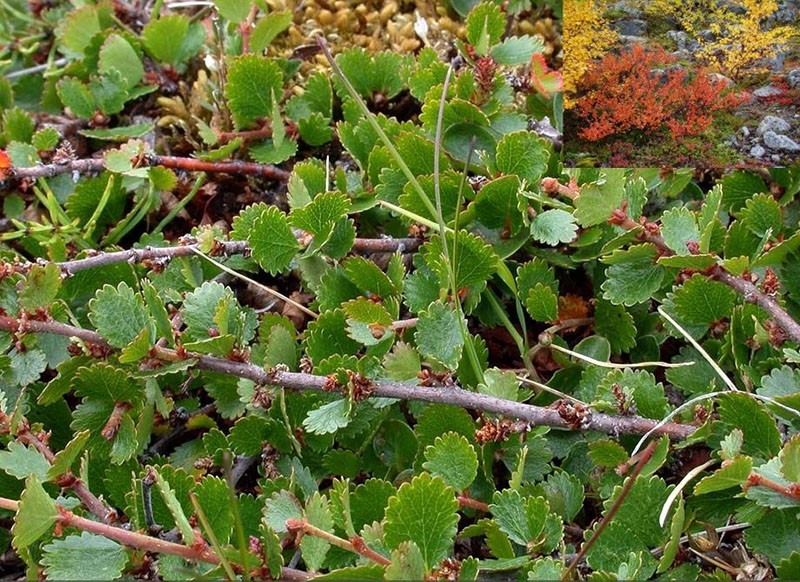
[466,501]
[356,544]
[743,287]
[140,541]
[102,511]
[792,491]
[251,135]
[94,165]
[535,415]
[626,488]
[224,248]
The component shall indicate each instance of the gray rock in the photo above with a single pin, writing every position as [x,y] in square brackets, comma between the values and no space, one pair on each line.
[683,41]
[775,158]
[774,124]
[633,27]
[720,77]
[744,132]
[776,141]
[793,78]
[632,39]
[757,151]
[707,35]
[767,91]
[625,7]
[785,14]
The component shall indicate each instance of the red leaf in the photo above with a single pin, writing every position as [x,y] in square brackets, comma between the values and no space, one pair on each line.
[544,80]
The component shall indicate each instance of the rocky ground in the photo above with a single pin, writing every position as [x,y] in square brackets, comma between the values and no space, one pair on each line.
[769,122]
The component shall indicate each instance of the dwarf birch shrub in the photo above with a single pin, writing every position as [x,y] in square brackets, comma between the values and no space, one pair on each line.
[628,92]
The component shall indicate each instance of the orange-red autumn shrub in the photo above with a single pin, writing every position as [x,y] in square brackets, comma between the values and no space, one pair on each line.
[637,90]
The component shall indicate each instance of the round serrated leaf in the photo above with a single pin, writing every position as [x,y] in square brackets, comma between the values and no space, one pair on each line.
[454,459]
[553,227]
[438,334]
[424,511]
[84,557]
[272,242]
[118,314]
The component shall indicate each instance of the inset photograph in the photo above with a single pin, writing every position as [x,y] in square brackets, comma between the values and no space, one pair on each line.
[679,83]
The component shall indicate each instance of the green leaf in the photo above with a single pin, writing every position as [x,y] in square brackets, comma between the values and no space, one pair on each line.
[368,278]
[438,335]
[790,459]
[41,287]
[449,187]
[407,563]
[641,385]
[315,129]
[789,568]
[522,153]
[312,548]
[762,214]
[84,557]
[371,73]
[46,139]
[776,535]
[267,28]
[542,303]
[65,458]
[123,134]
[424,511]
[733,474]
[214,498]
[174,507]
[108,383]
[516,50]
[500,384]
[326,336]
[614,323]
[696,379]
[21,462]
[320,216]
[454,459]
[252,82]
[172,39]
[117,53]
[118,314]
[633,275]
[597,200]
[77,97]
[368,323]
[484,27]
[234,11]
[497,204]
[328,418]
[679,227]
[26,367]
[703,301]
[635,526]
[35,516]
[607,453]
[272,242]
[78,28]
[553,227]
[248,435]
[564,494]
[475,260]
[523,520]
[761,435]
[738,187]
